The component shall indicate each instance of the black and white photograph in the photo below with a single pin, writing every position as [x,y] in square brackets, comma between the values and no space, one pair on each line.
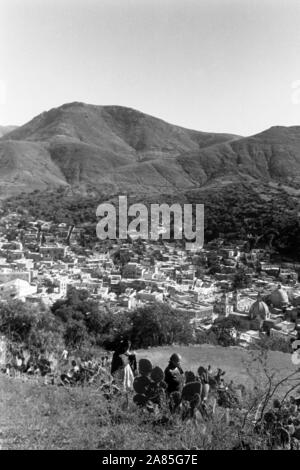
[149,228]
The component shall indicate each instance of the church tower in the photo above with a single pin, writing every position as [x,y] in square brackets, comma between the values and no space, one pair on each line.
[225,306]
[236,300]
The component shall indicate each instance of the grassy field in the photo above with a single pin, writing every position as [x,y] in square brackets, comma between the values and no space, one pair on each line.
[237,362]
[38,416]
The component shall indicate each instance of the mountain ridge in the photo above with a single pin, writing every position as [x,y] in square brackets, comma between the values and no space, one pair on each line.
[123,150]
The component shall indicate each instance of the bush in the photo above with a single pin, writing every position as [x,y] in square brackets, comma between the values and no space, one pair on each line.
[75,334]
[204,337]
[16,320]
[223,330]
[34,327]
[273,344]
[241,280]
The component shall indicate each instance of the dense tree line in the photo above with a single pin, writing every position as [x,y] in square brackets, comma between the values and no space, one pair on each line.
[241,211]
[153,325]
[77,322]
[237,211]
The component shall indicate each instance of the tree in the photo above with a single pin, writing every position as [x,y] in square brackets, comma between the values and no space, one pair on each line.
[16,320]
[158,325]
[33,327]
[241,280]
[75,334]
[83,320]
[76,306]
[226,330]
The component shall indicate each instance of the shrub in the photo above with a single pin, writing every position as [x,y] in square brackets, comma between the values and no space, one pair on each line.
[34,327]
[273,344]
[75,334]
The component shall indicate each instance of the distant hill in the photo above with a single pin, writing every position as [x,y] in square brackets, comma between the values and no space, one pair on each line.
[118,148]
[25,166]
[121,150]
[271,155]
[6,129]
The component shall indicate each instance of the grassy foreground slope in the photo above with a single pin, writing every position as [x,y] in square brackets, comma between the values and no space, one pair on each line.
[37,416]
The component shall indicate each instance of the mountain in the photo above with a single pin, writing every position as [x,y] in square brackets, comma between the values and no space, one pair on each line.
[25,166]
[271,155]
[121,150]
[6,129]
[118,148]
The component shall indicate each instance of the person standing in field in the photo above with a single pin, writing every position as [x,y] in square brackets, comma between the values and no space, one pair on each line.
[124,366]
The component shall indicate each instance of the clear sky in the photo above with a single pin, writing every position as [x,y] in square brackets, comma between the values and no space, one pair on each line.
[212,65]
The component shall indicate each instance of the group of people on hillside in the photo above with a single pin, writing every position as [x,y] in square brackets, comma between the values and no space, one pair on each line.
[66,369]
[84,371]
[124,369]
[19,364]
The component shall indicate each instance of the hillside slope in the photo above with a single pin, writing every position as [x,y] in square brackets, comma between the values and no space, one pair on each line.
[6,129]
[25,166]
[117,147]
[123,150]
[272,154]
[37,416]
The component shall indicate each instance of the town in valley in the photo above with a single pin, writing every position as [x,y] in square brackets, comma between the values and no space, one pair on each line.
[40,261]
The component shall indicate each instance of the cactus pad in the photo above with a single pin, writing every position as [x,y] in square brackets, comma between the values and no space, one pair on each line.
[189,376]
[141,384]
[157,375]
[140,400]
[145,367]
[190,389]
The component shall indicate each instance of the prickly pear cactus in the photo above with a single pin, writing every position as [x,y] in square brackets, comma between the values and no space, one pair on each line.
[190,390]
[149,385]
[157,375]
[189,376]
[188,400]
[145,367]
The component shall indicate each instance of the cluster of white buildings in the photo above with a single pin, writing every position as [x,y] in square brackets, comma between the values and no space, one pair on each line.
[41,261]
